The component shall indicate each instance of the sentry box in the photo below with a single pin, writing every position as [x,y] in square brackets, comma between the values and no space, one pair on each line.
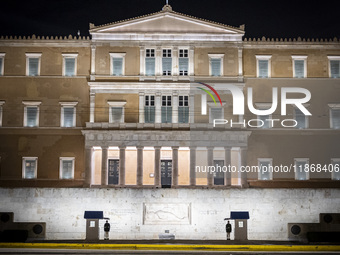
[241,218]
[92,224]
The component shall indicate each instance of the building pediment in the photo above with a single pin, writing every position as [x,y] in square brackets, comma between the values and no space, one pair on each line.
[166,25]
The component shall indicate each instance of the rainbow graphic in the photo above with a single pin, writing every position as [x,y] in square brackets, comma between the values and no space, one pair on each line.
[208,92]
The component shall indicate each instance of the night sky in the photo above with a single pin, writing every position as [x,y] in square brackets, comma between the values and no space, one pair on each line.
[286,19]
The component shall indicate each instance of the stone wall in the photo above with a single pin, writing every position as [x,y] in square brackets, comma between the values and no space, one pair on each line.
[145,213]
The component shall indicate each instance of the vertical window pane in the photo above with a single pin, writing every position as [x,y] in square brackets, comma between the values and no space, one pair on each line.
[33,66]
[116,114]
[264,118]
[300,118]
[301,172]
[30,166]
[67,169]
[336,169]
[167,66]
[1,63]
[215,66]
[216,113]
[183,66]
[299,66]
[70,66]
[149,114]
[335,68]
[264,170]
[68,116]
[263,68]
[335,115]
[150,66]
[117,66]
[31,116]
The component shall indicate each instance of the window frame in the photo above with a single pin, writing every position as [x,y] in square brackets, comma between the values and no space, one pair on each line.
[2,67]
[2,102]
[334,58]
[335,161]
[68,105]
[24,159]
[31,104]
[167,50]
[296,170]
[263,57]
[185,99]
[179,57]
[33,55]
[61,159]
[304,59]
[70,55]
[212,105]
[306,117]
[155,59]
[117,104]
[216,56]
[117,55]
[333,107]
[270,160]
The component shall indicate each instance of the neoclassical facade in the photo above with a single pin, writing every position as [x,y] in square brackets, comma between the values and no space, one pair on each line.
[135,106]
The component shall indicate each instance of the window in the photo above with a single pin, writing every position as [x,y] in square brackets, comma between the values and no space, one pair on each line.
[166,109]
[116,111]
[31,114]
[150,62]
[29,167]
[33,64]
[336,169]
[2,58]
[216,64]
[183,109]
[166,62]
[117,64]
[1,104]
[68,114]
[70,64]
[66,168]
[301,170]
[263,64]
[265,172]
[334,66]
[215,112]
[299,66]
[183,62]
[149,109]
[301,119]
[334,116]
[265,120]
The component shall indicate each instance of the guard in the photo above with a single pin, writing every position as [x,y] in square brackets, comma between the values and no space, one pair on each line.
[228,229]
[106,230]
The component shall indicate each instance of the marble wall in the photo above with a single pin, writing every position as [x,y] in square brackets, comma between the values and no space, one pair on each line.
[146,213]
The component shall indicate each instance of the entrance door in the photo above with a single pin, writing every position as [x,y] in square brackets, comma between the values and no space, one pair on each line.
[113,171]
[166,173]
[219,174]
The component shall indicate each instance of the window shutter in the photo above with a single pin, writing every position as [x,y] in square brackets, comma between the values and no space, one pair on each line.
[167,66]
[149,113]
[216,113]
[150,66]
[263,68]
[299,68]
[68,116]
[67,169]
[264,166]
[116,114]
[70,64]
[335,68]
[300,118]
[335,118]
[31,117]
[215,66]
[33,66]
[117,66]
[1,63]
[300,170]
[183,66]
[166,114]
[183,114]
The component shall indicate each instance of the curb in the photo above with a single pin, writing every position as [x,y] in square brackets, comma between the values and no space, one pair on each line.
[178,247]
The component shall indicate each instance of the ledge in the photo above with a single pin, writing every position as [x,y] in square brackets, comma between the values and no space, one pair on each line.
[41,183]
[309,184]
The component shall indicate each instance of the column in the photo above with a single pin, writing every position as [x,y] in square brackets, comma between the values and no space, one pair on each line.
[122,165]
[191,108]
[92,106]
[140,165]
[227,163]
[175,69]
[192,166]
[157,169]
[174,165]
[191,61]
[158,61]
[243,154]
[88,166]
[175,107]
[210,175]
[104,165]
[93,59]
[141,107]
[240,64]
[142,60]
[158,108]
